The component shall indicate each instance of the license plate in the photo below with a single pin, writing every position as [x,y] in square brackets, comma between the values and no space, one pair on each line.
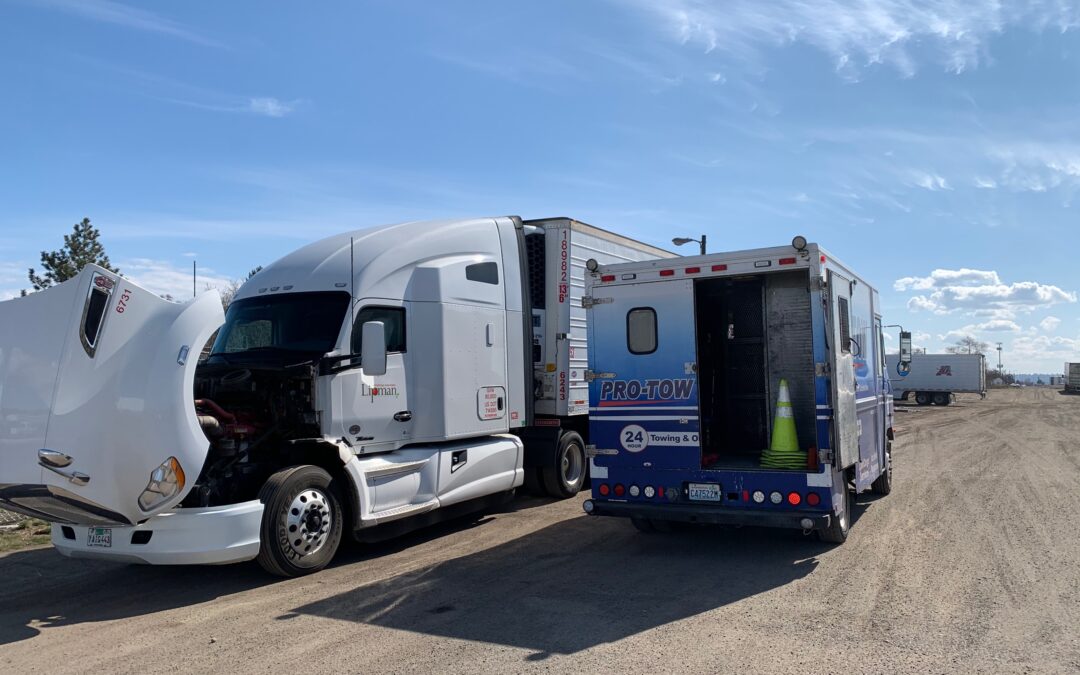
[99,536]
[704,492]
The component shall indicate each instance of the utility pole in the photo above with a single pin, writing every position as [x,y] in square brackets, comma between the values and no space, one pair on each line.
[999,356]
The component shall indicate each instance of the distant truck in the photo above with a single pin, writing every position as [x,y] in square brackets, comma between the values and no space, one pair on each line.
[366,384]
[934,378]
[1072,378]
[686,366]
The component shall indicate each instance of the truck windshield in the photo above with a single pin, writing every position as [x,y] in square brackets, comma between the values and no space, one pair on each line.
[307,323]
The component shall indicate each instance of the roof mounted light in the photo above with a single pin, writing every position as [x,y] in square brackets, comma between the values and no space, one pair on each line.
[592,265]
[799,243]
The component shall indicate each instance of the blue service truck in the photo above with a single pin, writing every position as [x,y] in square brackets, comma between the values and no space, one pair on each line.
[685,377]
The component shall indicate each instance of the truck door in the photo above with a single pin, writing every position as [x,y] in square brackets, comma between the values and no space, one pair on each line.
[375,410]
[643,398]
[845,418]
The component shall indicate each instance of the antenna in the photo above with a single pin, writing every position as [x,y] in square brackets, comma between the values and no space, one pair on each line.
[193,277]
[352,289]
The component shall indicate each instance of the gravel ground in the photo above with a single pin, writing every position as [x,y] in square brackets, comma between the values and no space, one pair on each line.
[971,565]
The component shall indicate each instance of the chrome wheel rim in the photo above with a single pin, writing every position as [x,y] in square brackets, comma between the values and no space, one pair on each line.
[308,522]
[573,466]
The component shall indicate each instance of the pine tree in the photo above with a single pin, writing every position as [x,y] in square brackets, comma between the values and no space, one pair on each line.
[82,247]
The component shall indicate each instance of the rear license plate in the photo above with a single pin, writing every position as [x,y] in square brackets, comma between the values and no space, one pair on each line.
[99,536]
[704,492]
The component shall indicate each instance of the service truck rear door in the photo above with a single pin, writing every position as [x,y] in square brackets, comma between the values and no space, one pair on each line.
[643,396]
[845,418]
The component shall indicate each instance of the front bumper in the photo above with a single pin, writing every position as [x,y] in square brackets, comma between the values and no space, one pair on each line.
[714,515]
[208,536]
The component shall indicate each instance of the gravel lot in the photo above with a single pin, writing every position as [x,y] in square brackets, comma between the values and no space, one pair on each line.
[972,564]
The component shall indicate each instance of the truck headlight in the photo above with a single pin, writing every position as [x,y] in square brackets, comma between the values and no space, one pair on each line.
[166,482]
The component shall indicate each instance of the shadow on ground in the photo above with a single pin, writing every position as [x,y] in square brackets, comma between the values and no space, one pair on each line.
[578,583]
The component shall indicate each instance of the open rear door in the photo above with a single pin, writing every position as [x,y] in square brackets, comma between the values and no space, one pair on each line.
[845,418]
[643,397]
[96,391]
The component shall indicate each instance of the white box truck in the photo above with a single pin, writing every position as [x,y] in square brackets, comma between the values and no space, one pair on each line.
[371,383]
[934,378]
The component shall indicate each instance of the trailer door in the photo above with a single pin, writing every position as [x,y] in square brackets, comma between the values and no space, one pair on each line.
[643,394]
[845,418]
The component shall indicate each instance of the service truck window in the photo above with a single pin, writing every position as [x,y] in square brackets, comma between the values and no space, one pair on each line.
[292,322]
[641,330]
[845,325]
[393,319]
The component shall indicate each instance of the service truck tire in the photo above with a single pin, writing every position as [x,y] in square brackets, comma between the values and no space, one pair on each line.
[566,476]
[922,398]
[302,521]
[883,484]
[839,526]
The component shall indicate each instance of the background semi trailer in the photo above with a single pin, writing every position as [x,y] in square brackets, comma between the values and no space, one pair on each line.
[687,360]
[934,378]
[369,383]
[1072,378]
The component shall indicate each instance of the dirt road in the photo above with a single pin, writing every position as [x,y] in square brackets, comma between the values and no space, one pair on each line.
[972,564]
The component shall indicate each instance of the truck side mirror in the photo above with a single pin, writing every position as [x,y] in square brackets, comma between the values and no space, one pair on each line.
[905,347]
[373,350]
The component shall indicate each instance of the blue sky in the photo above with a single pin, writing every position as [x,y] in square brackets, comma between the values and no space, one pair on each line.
[934,146]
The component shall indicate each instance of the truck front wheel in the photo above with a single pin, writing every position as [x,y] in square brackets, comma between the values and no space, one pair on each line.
[302,521]
[566,476]
[883,484]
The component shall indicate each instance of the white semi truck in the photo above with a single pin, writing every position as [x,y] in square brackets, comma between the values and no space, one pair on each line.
[935,378]
[368,383]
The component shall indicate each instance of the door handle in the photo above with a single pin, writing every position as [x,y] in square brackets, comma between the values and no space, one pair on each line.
[403,416]
[458,458]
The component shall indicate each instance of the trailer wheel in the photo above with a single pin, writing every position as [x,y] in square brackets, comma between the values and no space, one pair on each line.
[837,531]
[922,398]
[942,398]
[883,484]
[567,476]
[302,521]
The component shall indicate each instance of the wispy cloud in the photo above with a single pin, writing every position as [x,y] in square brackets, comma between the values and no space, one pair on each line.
[952,33]
[126,16]
[263,106]
[980,293]
[164,278]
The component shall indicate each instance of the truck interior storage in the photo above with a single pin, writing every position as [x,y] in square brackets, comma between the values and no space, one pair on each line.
[751,332]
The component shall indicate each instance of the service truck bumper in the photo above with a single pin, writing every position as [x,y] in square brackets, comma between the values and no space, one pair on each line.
[714,515]
[208,536]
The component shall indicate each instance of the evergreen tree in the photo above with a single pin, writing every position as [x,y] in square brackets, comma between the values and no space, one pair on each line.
[82,247]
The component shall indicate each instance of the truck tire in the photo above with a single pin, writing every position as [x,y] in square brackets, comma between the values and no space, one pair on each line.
[942,398]
[922,398]
[839,526]
[567,475]
[302,521]
[883,484]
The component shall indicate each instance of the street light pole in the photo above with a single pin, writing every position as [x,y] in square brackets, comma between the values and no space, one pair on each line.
[679,241]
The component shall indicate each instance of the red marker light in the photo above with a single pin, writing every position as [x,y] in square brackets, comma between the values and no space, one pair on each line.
[813,499]
[619,490]
[693,270]
[787,261]
[660,491]
[745,493]
[667,273]
[719,268]
[822,258]
[604,489]
[793,498]
[608,277]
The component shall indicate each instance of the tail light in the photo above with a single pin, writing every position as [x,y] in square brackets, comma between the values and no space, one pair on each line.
[813,499]
[604,490]
[619,490]
[794,498]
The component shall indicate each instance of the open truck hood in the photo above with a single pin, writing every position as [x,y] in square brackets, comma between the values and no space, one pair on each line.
[96,379]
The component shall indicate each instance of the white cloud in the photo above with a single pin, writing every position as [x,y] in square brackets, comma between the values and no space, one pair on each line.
[270,107]
[12,279]
[1050,324]
[164,278]
[951,33]
[974,329]
[985,183]
[979,292]
[1045,350]
[126,16]
[931,181]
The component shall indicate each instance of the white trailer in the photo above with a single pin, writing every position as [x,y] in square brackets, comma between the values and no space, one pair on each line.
[1072,378]
[934,378]
[371,383]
